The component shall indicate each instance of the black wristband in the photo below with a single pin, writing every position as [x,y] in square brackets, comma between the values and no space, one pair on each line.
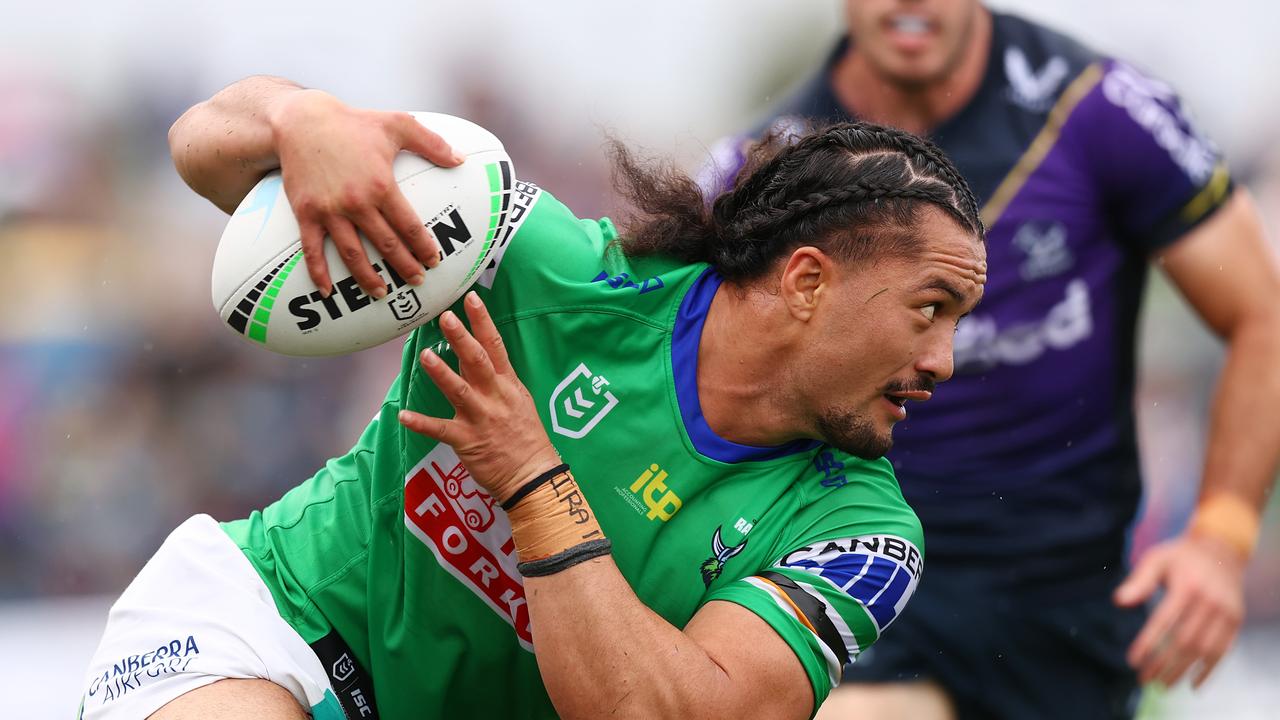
[565,559]
[532,485]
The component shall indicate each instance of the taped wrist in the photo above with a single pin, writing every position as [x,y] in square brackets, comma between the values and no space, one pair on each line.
[537,482]
[1229,518]
[552,524]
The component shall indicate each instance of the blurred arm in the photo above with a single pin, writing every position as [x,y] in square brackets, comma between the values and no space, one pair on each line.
[1229,273]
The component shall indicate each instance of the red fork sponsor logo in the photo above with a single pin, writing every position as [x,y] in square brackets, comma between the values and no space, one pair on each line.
[468,533]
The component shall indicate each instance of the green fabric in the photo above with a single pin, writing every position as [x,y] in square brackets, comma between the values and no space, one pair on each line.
[392,548]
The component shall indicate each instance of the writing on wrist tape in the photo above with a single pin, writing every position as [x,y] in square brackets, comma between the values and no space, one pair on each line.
[553,526]
[1229,518]
[537,482]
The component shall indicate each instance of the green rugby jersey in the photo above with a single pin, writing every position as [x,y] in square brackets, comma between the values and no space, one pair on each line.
[394,549]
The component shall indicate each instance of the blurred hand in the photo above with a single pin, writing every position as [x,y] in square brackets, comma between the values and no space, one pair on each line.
[495,430]
[336,163]
[1200,614]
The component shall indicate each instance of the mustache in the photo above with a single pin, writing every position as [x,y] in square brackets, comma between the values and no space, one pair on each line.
[922,382]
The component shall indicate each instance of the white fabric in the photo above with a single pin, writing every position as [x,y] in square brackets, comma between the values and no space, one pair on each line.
[196,614]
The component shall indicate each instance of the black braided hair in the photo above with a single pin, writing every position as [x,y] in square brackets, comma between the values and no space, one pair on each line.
[854,189]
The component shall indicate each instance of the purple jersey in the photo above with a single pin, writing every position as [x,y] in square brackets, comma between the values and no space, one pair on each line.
[1085,166]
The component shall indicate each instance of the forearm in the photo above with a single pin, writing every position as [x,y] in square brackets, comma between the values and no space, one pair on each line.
[1244,435]
[600,650]
[221,147]
[1229,272]
[1244,438]
[602,653]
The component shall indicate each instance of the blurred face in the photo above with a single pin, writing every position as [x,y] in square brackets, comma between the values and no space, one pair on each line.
[881,335]
[912,43]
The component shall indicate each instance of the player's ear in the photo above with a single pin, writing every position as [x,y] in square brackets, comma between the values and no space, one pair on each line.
[806,280]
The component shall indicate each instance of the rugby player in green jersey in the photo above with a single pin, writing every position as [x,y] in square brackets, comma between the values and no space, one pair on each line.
[648,482]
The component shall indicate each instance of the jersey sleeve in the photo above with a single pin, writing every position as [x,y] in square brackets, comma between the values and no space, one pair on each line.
[846,567]
[538,245]
[541,247]
[1158,174]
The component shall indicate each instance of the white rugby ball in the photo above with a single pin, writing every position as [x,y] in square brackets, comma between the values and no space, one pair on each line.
[261,287]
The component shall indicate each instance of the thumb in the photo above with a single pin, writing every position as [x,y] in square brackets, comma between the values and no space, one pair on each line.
[1143,581]
[418,139]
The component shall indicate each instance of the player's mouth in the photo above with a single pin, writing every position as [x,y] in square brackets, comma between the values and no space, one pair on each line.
[897,401]
[909,33]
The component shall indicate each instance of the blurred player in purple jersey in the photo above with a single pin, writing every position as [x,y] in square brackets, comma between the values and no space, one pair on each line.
[1025,472]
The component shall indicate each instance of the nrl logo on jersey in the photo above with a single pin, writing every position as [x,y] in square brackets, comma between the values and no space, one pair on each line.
[580,402]
[713,566]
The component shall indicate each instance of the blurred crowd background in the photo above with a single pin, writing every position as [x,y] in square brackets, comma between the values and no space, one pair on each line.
[125,406]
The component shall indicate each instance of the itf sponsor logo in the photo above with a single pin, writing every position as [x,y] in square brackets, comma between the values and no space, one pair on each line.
[468,534]
[879,571]
[133,671]
[580,402]
[650,496]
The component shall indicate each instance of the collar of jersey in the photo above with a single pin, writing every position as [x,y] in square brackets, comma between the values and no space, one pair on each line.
[686,336]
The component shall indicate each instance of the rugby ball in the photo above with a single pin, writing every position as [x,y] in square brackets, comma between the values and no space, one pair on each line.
[263,293]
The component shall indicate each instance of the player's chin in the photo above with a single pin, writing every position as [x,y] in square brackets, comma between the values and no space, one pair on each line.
[871,448]
[915,71]
[857,434]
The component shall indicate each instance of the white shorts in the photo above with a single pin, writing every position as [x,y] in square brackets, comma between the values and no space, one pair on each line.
[196,614]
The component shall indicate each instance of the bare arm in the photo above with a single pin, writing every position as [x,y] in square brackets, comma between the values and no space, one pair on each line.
[601,652]
[337,166]
[1228,272]
[224,145]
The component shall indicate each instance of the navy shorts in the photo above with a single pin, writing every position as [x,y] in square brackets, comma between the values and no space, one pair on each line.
[1009,654]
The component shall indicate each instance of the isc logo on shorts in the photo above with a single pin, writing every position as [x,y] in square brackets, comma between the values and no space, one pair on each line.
[468,533]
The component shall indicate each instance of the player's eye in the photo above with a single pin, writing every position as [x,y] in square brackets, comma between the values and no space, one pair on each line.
[929,310]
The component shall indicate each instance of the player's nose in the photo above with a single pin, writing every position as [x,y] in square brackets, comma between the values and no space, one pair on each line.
[937,359]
